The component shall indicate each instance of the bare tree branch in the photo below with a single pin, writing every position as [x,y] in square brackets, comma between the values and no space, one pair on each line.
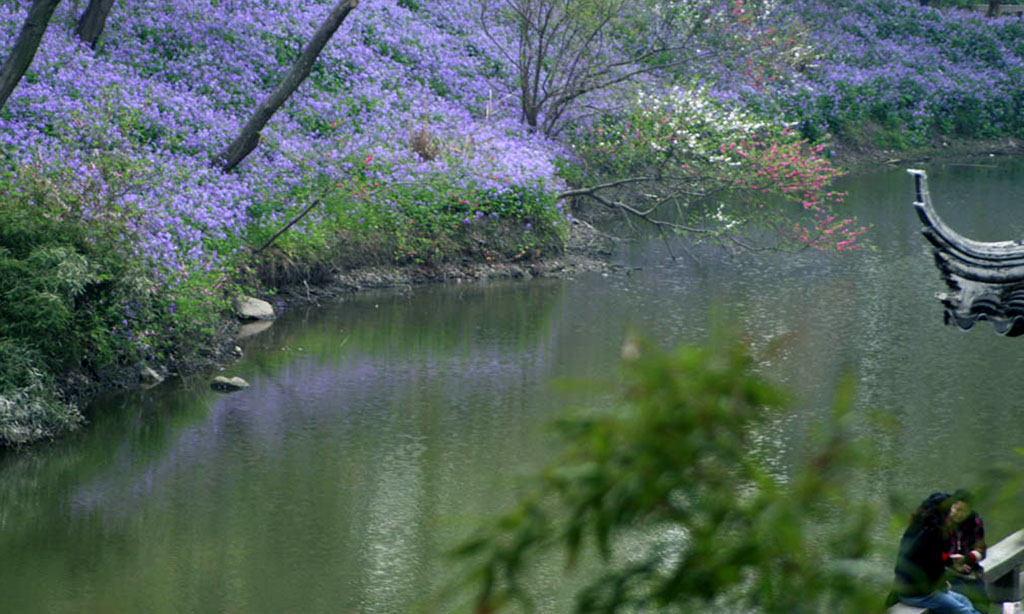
[566,49]
[594,193]
[294,220]
[603,186]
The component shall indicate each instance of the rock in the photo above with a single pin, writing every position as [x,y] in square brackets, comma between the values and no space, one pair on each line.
[236,352]
[228,384]
[253,328]
[149,377]
[249,308]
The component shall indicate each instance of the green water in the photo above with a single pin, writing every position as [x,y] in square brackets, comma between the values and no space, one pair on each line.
[380,428]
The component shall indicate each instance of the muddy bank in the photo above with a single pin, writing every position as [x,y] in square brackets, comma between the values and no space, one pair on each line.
[860,157]
[586,249]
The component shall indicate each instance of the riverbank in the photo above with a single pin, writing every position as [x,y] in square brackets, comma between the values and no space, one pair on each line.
[863,155]
[586,249]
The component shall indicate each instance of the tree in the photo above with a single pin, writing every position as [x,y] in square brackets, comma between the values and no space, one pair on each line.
[91,24]
[249,137]
[994,8]
[687,163]
[562,50]
[25,46]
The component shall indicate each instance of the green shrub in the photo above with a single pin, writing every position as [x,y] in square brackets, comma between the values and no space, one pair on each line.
[77,298]
[437,219]
[39,293]
[30,406]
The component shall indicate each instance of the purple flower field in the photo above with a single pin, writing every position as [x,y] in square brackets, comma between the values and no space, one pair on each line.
[914,71]
[173,81]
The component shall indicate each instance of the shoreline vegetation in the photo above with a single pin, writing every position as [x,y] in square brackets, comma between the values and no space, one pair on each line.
[414,153]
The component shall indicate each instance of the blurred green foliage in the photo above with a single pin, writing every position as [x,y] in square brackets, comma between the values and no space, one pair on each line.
[723,532]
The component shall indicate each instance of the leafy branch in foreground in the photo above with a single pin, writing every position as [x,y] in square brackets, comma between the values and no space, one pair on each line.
[677,466]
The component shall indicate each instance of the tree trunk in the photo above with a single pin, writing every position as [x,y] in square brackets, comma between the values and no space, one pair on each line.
[249,137]
[25,46]
[90,26]
[993,8]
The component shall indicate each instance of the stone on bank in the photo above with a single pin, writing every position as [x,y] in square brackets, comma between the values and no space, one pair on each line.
[228,384]
[249,308]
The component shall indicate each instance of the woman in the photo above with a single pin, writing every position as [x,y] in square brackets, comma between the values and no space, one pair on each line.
[967,538]
[923,558]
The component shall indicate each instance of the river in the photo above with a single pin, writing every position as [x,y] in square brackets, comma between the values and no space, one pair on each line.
[381,427]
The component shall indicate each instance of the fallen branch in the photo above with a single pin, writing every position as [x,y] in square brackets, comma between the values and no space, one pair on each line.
[316,202]
[647,214]
[621,206]
[604,186]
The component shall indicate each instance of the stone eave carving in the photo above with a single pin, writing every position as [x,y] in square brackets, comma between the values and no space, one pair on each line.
[986,279]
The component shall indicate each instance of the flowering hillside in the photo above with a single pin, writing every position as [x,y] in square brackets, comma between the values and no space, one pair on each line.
[173,81]
[913,72]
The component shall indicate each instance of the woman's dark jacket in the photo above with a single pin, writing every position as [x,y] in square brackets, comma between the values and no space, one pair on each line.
[921,563]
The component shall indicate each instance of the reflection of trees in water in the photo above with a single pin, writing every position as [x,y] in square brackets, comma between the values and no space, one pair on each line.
[330,365]
[337,394]
[429,318]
